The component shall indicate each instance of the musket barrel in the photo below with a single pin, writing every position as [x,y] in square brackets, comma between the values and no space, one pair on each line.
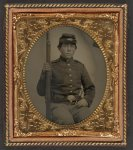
[48,79]
[47,48]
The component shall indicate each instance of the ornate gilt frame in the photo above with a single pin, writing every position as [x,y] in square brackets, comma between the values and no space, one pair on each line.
[107,125]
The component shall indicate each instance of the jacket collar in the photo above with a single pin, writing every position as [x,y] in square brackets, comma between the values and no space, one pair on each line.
[66,60]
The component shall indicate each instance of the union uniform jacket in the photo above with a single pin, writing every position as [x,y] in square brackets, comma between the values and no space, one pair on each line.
[68,77]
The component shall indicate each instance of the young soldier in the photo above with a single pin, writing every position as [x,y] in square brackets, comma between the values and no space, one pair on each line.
[69,80]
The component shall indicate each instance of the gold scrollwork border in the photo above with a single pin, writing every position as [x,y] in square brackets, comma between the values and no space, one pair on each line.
[8,82]
[94,36]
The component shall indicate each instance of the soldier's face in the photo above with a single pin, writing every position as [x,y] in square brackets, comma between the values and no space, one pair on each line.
[67,50]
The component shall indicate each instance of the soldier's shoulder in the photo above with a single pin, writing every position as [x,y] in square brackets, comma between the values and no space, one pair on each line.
[78,62]
[55,61]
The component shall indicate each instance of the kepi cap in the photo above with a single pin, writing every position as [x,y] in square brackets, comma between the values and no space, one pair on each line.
[67,38]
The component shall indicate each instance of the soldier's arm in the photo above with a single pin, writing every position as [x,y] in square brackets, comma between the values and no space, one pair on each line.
[88,86]
[41,84]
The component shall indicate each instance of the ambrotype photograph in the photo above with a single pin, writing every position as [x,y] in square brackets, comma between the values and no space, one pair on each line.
[68,85]
[66,74]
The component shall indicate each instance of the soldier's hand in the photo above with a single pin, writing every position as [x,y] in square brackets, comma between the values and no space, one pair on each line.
[46,67]
[82,103]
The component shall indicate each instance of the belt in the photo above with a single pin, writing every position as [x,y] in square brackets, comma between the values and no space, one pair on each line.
[57,98]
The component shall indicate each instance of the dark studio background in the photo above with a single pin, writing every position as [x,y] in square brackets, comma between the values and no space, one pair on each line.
[129,76]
